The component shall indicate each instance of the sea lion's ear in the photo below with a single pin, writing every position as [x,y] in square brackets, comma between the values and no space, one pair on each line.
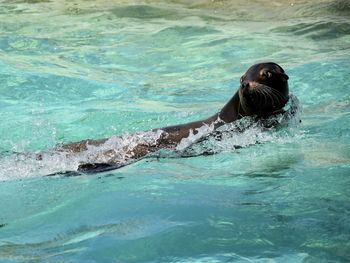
[284,76]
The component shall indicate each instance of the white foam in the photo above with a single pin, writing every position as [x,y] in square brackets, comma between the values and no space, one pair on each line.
[120,149]
[194,137]
[244,132]
[114,150]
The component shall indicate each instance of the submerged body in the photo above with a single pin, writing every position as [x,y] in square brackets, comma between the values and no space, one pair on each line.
[263,92]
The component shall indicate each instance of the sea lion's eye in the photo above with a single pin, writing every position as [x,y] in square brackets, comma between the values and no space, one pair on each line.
[267,74]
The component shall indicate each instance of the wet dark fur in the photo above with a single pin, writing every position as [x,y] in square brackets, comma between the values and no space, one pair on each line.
[263,92]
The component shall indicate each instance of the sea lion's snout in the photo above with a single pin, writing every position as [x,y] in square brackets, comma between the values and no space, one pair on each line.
[249,86]
[245,85]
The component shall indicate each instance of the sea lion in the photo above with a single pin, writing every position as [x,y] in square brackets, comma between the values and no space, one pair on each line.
[263,92]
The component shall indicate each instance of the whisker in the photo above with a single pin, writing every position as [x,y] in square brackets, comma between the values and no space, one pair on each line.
[283,98]
[267,97]
[277,92]
[273,96]
[260,97]
[265,94]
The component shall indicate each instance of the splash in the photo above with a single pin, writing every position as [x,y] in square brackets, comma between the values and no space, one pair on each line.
[117,150]
[194,137]
[242,133]
[120,150]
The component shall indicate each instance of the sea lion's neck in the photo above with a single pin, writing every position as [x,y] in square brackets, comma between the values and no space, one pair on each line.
[232,110]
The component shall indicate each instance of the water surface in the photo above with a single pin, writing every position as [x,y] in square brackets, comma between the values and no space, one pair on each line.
[72,70]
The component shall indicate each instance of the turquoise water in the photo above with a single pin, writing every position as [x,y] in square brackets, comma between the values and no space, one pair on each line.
[90,69]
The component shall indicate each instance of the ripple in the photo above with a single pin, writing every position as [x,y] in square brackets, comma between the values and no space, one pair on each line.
[71,240]
[317,31]
[142,12]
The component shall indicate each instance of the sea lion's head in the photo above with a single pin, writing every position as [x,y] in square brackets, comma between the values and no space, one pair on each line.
[263,89]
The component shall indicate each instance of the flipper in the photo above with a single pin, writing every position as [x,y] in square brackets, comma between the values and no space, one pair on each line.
[66,173]
[89,168]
